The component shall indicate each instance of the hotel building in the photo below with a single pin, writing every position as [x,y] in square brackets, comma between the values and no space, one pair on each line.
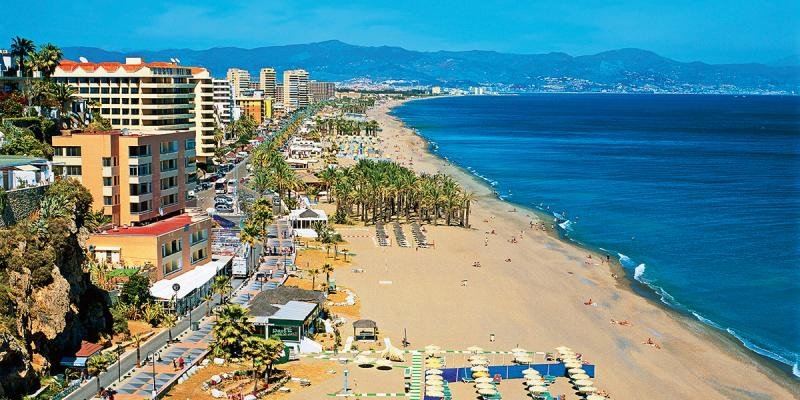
[320,91]
[295,89]
[267,82]
[157,96]
[239,80]
[223,100]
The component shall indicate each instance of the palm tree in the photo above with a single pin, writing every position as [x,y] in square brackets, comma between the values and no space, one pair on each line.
[231,330]
[169,321]
[47,58]
[328,177]
[222,287]
[467,198]
[313,272]
[327,269]
[63,94]
[21,48]
[136,340]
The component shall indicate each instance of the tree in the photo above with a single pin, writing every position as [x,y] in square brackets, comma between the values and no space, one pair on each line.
[222,287]
[136,291]
[231,330]
[47,58]
[23,142]
[169,321]
[63,95]
[120,319]
[21,48]
[313,272]
[137,339]
[327,269]
[98,124]
[97,220]
[12,105]
[99,363]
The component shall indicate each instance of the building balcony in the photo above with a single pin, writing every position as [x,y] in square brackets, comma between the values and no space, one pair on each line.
[166,95]
[159,117]
[141,198]
[110,190]
[169,173]
[140,179]
[109,172]
[169,127]
[168,191]
[67,160]
[164,106]
[140,160]
[153,85]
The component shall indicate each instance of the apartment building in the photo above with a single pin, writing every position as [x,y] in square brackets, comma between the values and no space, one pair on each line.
[239,80]
[295,89]
[171,246]
[133,176]
[279,93]
[320,91]
[260,108]
[223,100]
[267,82]
[203,115]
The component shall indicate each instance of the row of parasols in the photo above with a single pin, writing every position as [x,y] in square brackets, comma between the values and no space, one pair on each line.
[435,385]
[578,377]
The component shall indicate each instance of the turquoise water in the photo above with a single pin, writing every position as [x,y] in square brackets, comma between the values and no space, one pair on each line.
[698,196]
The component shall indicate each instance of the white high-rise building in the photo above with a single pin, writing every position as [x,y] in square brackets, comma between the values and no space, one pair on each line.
[204,114]
[295,89]
[266,82]
[223,100]
[240,81]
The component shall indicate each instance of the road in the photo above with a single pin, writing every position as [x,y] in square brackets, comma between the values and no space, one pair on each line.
[205,198]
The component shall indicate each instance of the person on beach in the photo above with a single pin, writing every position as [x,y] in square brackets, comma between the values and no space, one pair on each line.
[588,302]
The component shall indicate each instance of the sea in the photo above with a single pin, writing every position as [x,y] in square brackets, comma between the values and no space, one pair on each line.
[697,196]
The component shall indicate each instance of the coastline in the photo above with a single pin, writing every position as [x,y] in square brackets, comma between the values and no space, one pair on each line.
[621,281]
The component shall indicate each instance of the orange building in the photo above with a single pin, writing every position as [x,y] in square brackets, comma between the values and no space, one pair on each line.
[260,108]
[134,177]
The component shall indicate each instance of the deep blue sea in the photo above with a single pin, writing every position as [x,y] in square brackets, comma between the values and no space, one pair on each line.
[698,196]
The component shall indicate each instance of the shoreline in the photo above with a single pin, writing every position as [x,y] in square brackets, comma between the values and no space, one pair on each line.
[778,372]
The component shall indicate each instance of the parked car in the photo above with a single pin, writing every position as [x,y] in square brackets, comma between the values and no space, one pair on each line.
[223,208]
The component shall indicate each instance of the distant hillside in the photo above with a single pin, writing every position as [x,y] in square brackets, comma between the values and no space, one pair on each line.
[337,61]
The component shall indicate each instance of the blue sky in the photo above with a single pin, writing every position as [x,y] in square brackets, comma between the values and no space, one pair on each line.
[713,31]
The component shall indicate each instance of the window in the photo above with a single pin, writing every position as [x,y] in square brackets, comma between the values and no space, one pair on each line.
[69,151]
[189,144]
[199,255]
[169,165]
[191,178]
[107,162]
[169,147]
[199,236]
[190,161]
[141,170]
[138,208]
[139,151]
[168,249]
[106,181]
[140,188]
[169,200]
[172,266]
[107,200]
[169,183]
[73,170]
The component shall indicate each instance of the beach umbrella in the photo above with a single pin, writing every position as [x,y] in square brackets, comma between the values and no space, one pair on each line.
[480,362]
[479,374]
[433,372]
[434,393]
[487,392]
[432,348]
[434,386]
[475,349]
[579,376]
[535,382]
[383,364]
[587,389]
[563,348]
[583,382]
[576,371]
[431,378]
[595,397]
[573,364]
[529,371]
[484,379]
[518,350]
[480,368]
[537,389]
[485,385]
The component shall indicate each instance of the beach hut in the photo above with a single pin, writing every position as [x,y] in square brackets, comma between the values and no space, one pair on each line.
[365,329]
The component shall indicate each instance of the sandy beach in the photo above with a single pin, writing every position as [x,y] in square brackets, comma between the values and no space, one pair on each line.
[532,294]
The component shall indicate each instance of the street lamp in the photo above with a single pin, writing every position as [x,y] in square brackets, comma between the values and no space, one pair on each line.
[155,391]
[119,361]
[176,287]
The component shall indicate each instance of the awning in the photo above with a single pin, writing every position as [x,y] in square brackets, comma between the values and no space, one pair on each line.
[107,248]
[27,167]
[306,233]
[75,362]
[189,281]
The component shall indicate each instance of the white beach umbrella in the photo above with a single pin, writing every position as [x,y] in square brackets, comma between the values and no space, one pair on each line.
[584,382]
[434,393]
[578,377]
[518,350]
[487,392]
[529,371]
[484,379]
[534,382]
[523,360]
[435,372]
[563,348]
[475,349]
[587,389]
[573,364]
[480,368]
[485,385]
[432,348]
[576,371]
[476,357]
[537,389]
[434,378]
[434,386]
[595,397]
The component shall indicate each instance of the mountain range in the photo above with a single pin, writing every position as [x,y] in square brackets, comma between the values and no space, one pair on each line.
[337,61]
